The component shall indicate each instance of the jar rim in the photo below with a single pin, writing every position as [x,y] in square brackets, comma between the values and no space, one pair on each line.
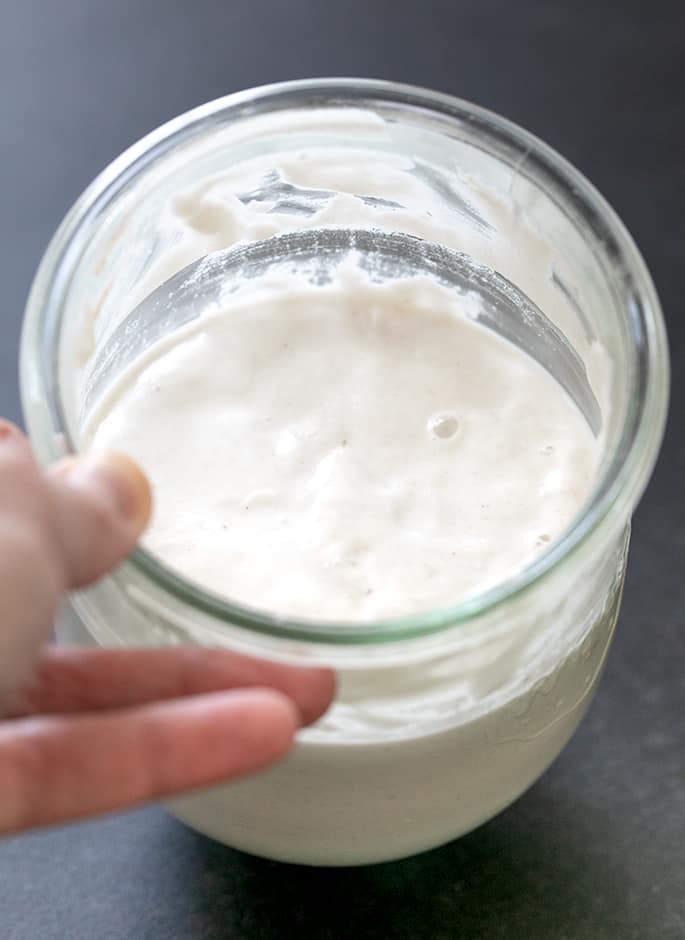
[625,474]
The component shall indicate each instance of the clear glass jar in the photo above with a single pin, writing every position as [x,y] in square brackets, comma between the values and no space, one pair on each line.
[484,695]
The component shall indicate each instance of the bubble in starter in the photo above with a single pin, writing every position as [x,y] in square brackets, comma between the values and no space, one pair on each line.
[443,426]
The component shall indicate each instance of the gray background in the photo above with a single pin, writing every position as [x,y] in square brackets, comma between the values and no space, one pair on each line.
[595,849]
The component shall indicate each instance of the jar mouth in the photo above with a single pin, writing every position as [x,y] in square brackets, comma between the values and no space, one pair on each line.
[625,470]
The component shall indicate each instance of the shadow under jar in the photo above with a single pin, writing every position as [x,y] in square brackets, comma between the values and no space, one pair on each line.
[446,716]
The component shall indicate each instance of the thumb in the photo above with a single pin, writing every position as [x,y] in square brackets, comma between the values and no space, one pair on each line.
[102,504]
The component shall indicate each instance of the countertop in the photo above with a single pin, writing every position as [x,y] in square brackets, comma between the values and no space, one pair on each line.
[596,849]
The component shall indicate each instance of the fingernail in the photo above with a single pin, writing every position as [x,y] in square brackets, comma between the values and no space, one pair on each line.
[125,482]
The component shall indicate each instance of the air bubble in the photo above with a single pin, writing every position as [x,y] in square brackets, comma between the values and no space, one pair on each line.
[443,426]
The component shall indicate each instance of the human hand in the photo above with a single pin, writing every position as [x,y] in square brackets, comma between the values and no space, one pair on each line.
[85,731]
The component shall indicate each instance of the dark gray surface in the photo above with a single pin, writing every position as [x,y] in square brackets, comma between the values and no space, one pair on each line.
[596,849]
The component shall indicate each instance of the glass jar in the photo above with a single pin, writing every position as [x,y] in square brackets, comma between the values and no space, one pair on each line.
[442,719]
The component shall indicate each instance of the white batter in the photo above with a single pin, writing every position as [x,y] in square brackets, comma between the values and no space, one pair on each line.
[352,451]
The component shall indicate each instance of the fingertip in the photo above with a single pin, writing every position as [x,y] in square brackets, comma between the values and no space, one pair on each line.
[114,476]
[316,694]
[130,488]
[272,720]
[101,505]
[260,730]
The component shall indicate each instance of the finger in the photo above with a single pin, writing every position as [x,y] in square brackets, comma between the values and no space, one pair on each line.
[90,510]
[54,769]
[30,584]
[53,533]
[72,679]
[31,576]
[23,494]
[102,504]
[17,465]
